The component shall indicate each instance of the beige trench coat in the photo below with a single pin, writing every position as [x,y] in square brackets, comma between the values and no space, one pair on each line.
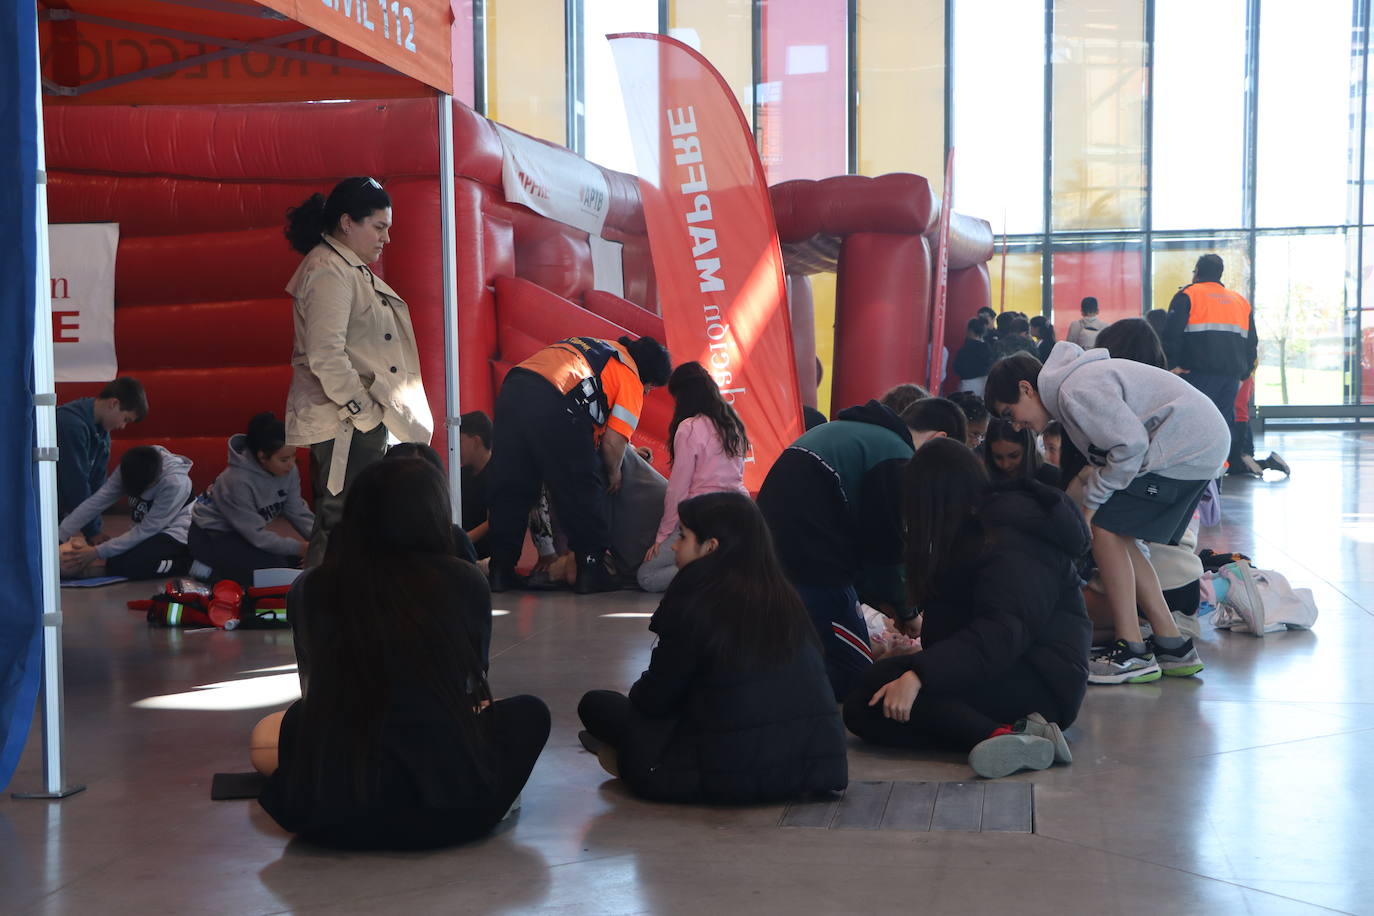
[354,362]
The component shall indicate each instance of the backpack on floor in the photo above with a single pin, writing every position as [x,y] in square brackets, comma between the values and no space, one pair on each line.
[1261,601]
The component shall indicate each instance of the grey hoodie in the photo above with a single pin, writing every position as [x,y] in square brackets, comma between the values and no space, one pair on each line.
[245,497]
[163,508]
[1129,419]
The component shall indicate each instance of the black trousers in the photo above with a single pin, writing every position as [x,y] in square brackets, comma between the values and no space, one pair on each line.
[606,714]
[539,437]
[944,720]
[364,450]
[230,556]
[159,555]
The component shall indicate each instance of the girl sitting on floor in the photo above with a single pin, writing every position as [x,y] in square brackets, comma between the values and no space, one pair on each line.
[229,537]
[1005,660]
[1011,454]
[396,742]
[707,445]
[736,707]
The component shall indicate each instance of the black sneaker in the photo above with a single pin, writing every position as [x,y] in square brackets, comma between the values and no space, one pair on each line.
[592,577]
[503,580]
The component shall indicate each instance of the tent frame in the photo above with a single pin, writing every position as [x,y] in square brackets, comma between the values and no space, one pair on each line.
[52,700]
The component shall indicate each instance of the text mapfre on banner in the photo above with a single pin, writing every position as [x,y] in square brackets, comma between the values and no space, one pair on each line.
[82,259]
[713,237]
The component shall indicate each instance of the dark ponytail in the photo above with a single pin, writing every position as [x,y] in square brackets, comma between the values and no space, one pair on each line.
[359,197]
[266,434]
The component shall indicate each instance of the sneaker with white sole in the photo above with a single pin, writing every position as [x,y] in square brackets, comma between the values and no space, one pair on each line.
[1007,754]
[1179,662]
[1117,664]
[1038,725]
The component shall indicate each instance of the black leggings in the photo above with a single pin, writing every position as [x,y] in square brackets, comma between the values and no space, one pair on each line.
[944,720]
[159,555]
[230,556]
[606,714]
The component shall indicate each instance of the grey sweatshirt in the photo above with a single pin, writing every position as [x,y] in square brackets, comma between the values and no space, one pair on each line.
[1130,419]
[245,497]
[163,508]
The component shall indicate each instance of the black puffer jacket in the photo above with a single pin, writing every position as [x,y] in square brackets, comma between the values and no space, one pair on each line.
[705,732]
[1012,606]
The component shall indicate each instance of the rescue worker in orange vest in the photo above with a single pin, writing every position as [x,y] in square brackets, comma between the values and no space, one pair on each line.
[563,418]
[1209,336]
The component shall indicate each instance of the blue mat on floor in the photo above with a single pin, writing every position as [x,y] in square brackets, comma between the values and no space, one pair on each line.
[95,582]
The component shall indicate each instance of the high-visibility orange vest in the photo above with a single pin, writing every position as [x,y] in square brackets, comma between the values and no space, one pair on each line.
[1213,307]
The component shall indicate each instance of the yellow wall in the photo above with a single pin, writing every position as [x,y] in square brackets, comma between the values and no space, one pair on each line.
[901,72]
[525,67]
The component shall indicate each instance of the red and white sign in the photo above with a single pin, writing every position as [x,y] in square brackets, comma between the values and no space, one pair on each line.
[82,268]
[713,237]
[553,182]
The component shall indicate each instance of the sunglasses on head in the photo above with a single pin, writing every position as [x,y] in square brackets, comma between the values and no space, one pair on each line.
[371,181]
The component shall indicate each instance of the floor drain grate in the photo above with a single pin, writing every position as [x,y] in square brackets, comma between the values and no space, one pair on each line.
[921,806]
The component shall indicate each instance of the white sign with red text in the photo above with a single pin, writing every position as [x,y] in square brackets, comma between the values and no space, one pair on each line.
[553,181]
[82,272]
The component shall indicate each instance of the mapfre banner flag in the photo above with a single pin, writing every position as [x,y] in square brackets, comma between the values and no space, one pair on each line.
[82,259]
[712,236]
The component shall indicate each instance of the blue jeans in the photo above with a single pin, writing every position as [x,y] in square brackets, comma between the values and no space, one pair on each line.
[844,636]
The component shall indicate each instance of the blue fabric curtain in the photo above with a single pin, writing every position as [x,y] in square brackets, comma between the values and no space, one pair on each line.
[21,633]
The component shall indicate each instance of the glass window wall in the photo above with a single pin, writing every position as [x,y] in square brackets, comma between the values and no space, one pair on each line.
[999,113]
[607,130]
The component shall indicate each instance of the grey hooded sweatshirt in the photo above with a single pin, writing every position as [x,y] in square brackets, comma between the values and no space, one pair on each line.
[1130,419]
[245,498]
[163,508]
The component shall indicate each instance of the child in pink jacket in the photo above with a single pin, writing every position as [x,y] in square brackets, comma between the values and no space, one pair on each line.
[707,445]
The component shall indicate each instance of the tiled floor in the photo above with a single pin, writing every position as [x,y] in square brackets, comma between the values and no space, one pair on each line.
[1248,790]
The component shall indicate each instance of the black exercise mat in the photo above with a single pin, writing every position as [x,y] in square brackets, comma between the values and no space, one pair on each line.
[227,786]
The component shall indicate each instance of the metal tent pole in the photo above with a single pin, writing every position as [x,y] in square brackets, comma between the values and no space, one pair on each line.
[45,460]
[448,245]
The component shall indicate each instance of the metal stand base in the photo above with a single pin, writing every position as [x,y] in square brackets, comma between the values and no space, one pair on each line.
[60,793]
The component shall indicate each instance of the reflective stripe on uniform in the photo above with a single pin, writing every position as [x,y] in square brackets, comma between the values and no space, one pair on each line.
[625,416]
[1217,326]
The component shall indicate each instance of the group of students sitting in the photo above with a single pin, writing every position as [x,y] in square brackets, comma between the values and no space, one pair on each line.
[219,534]
[939,513]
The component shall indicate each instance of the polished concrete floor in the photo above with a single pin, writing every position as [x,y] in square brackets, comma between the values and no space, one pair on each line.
[1247,790]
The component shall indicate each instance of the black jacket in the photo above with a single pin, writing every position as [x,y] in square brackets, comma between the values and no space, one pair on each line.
[1012,606]
[84,446]
[973,360]
[1208,352]
[833,501]
[430,787]
[704,731]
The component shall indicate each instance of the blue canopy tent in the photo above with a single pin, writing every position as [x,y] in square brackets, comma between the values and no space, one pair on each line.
[21,299]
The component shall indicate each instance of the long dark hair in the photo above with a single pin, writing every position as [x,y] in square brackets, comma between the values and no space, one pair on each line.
[359,197]
[1000,430]
[1042,324]
[1133,339]
[384,591]
[737,597]
[695,393]
[944,482]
